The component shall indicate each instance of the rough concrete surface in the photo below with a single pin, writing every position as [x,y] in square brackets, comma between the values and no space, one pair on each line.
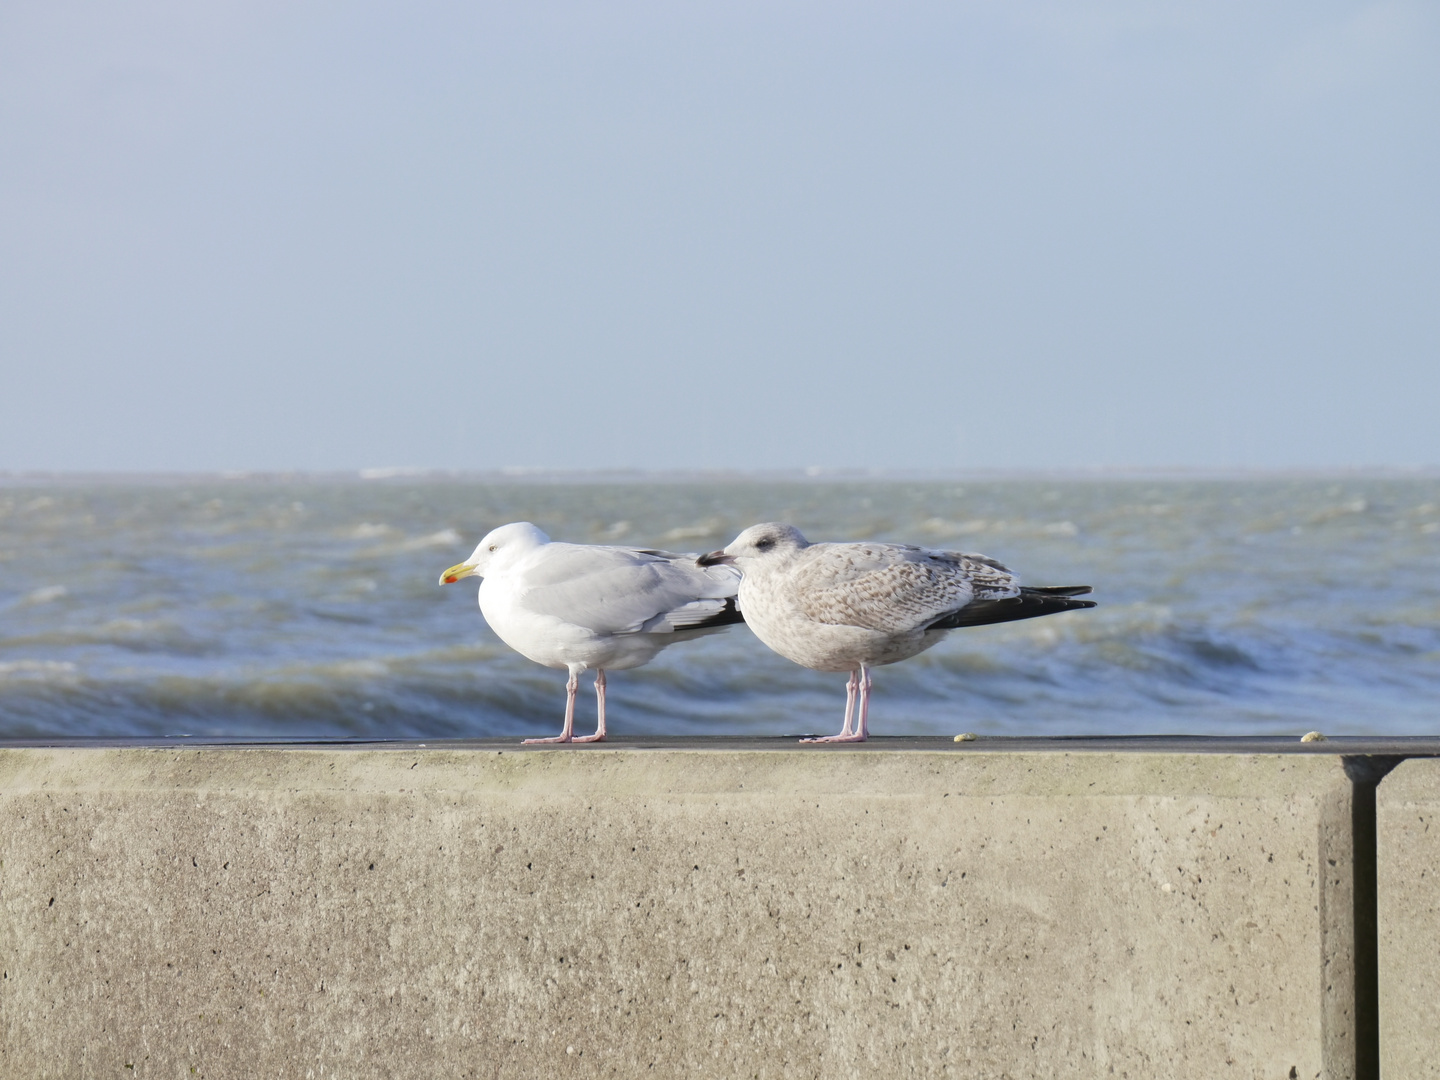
[1407,838]
[317,913]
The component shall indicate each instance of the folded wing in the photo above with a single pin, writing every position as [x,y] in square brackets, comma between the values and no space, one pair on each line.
[894,588]
[623,591]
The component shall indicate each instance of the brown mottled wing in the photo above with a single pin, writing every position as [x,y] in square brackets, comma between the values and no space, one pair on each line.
[893,588]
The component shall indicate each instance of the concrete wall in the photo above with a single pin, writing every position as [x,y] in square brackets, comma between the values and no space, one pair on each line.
[1407,813]
[316,913]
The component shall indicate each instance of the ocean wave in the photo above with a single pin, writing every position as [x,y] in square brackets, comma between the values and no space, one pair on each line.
[940,527]
[401,544]
[701,530]
[43,670]
[46,594]
[1343,510]
[270,608]
[369,531]
[136,635]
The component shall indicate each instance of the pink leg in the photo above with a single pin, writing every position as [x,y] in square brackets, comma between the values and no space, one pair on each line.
[859,681]
[599,735]
[572,685]
[852,684]
[863,726]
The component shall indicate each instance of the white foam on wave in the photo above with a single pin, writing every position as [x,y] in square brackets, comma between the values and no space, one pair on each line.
[37,669]
[699,531]
[1346,509]
[368,530]
[391,472]
[443,538]
[45,595]
[940,527]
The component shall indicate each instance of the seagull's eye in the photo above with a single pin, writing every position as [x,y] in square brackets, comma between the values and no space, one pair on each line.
[768,542]
[493,546]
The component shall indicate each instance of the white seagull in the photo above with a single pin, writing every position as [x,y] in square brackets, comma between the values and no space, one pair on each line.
[851,607]
[586,607]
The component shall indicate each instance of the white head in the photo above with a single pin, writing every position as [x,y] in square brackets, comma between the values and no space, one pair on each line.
[499,547]
[768,544]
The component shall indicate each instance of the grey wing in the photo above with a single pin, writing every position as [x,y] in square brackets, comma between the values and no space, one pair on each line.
[623,591]
[894,588]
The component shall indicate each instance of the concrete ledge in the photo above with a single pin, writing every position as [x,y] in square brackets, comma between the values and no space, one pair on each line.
[433,912]
[1407,814]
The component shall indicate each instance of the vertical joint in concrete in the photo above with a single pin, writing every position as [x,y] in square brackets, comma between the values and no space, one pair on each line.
[1365,773]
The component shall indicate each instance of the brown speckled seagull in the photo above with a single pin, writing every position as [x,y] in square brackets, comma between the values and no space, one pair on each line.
[851,607]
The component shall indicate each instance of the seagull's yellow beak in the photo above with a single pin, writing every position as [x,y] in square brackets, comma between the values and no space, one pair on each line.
[456,572]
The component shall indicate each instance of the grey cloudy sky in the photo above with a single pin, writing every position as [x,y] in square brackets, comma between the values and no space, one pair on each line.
[268,235]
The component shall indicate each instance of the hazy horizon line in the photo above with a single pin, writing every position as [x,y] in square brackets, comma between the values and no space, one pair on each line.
[812,473]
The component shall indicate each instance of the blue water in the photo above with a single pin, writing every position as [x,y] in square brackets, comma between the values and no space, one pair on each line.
[309,607]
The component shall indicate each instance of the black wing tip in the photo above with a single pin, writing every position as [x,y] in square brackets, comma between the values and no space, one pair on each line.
[1030,604]
[729,615]
[1058,590]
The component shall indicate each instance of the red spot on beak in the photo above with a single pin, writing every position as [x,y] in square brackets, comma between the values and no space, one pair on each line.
[450,579]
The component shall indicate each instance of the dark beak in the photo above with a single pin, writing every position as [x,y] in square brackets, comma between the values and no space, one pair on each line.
[716,558]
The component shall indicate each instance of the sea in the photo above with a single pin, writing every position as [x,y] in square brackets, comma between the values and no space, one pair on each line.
[299,607]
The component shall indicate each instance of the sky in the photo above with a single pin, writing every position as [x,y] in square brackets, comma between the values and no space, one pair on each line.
[902,235]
